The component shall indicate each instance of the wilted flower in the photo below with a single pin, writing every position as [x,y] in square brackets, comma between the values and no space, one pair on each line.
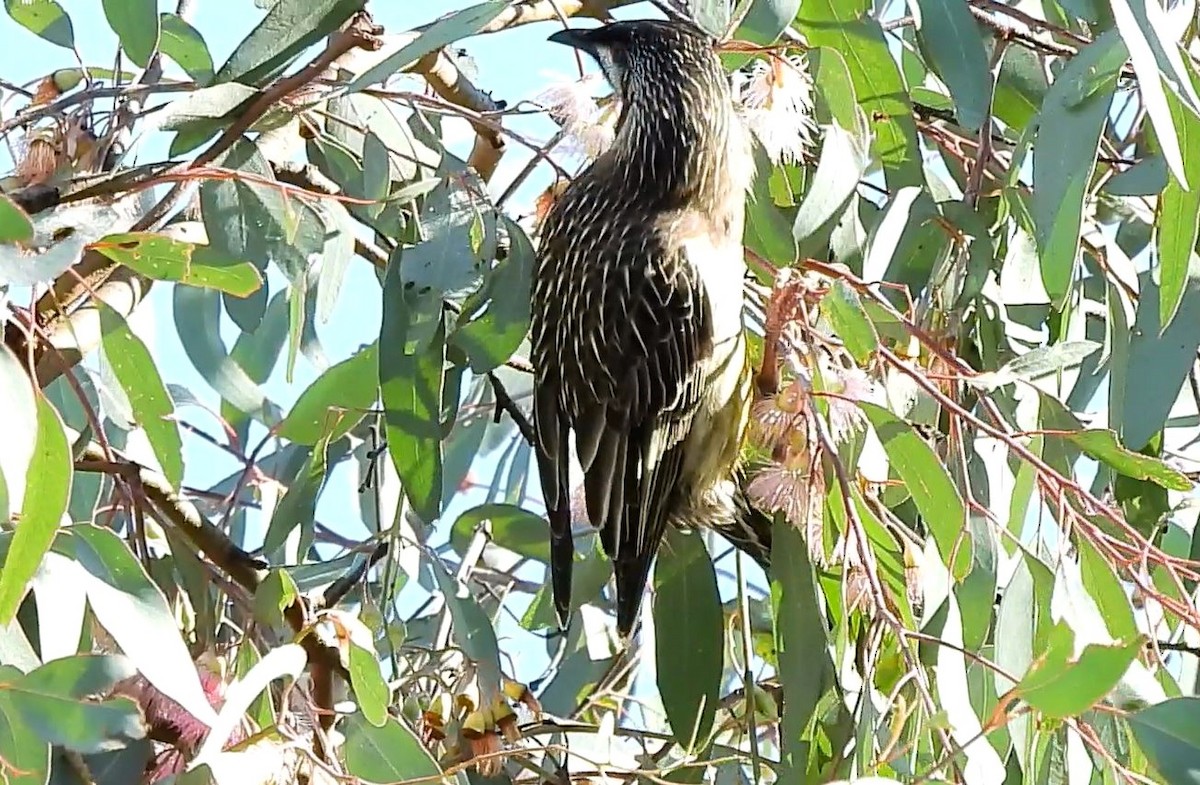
[845,417]
[784,487]
[777,101]
[776,417]
[589,127]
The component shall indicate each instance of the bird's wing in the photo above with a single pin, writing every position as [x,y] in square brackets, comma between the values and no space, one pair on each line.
[629,439]
[551,427]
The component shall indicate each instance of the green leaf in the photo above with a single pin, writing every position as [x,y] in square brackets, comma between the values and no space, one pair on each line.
[495,319]
[1036,363]
[134,611]
[952,43]
[138,376]
[848,27]
[1169,735]
[78,676]
[898,218]
[276,592]
[164,259]
[299,505]
[800,643]
[136,23]
[44,18]
[765,20]
[473,630]
[1073,116]
[446,30]
[768,228]
[336,401]
[712,16]
[1159,361]
[244,219]
[1148,177]
[85,726]
[198,322]
[926,479]
[15,226]
[446,260]
[1177,225]
[290,27]
[371,692]
[411,380]
[183,43]
[390,753]
[199,114]
[47,489]
[1104,446]
[26,756]
[844,310]
[1020,88]
[687,614]
[1104,586]
[1060,685]
[509,526]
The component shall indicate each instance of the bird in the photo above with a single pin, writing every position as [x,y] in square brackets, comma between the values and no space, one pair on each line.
[637,336]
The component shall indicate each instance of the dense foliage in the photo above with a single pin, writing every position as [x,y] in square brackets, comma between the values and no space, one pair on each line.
[265,559]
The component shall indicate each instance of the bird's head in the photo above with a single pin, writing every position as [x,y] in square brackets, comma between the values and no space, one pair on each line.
[676,108]
[648,56]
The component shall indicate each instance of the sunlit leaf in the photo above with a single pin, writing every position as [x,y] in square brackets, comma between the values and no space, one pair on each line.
[164,259]
[1059,684]
[1104,446]
[153,409]
[391,753]
[410,380]
[47,488]
[45,18]
[508,526]
[15,226]
[848,27]
[136,23]
[927,479]
[1178,221]
[495,320]
[135,612]
[336,401]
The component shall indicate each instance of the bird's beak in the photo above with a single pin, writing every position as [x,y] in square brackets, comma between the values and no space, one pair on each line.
[575,38]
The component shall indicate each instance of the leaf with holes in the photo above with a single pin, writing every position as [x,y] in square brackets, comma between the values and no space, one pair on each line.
[164,259]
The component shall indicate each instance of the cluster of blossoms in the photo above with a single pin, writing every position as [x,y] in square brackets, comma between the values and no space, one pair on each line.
[784,421]
[468,730]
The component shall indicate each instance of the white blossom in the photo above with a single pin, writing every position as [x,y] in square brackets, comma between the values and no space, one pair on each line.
[777,104]
[589,127]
